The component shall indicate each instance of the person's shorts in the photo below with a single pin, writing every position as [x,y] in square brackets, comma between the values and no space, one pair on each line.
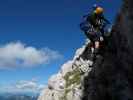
[89,31]
[92,37]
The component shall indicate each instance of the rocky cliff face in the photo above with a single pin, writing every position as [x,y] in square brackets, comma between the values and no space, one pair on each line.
[66,84]
[111,79]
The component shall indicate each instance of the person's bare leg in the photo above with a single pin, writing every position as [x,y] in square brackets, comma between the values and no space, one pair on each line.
[97,55]
[94,50]
[96,47]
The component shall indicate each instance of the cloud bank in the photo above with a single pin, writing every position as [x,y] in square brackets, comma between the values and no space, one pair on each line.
[23,86]
[17,54]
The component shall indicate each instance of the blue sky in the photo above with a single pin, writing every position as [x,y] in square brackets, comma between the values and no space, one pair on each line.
[52,24]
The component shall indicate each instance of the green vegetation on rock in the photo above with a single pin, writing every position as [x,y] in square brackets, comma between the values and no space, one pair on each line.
[71,78]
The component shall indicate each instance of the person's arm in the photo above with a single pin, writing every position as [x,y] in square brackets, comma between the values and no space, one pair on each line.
[107,21]
[85,15]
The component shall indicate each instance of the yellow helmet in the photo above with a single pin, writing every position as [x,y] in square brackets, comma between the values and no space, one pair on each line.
[99,10]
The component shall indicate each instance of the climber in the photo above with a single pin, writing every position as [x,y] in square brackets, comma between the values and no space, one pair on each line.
[94,26]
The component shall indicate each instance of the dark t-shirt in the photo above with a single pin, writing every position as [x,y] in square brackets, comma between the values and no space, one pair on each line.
[93,19]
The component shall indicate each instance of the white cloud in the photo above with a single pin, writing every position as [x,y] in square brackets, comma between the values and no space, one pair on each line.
[23,86]
[17,54]
[28,86]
